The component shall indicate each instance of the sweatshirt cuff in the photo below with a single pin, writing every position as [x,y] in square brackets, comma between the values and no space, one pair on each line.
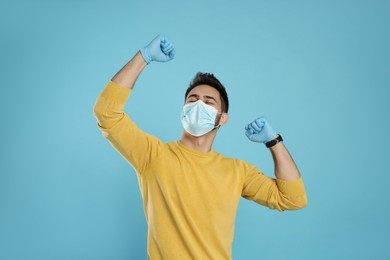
[291,187]
[116,92]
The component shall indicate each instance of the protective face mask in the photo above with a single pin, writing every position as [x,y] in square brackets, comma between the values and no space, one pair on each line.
[198,118]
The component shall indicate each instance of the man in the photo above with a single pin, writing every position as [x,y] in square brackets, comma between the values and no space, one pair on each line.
[190,192]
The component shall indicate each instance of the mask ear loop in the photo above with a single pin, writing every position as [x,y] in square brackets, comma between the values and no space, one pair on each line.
[216,127]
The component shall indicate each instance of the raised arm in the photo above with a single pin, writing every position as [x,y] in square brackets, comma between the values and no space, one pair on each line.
[260,131]
[136,146]
[287,192]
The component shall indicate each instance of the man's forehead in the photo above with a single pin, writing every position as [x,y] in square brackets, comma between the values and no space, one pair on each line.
[202,90]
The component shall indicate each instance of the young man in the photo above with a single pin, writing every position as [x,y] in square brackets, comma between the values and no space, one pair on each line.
[190,192]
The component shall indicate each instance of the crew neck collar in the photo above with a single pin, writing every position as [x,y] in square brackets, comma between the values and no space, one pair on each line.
[211,153]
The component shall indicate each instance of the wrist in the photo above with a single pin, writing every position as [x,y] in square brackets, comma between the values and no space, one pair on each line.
[275,140]
[145,55]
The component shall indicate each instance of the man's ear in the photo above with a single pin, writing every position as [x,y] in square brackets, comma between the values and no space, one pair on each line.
[224,118]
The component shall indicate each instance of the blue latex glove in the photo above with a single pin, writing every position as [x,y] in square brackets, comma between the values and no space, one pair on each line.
[160,49]
[260,131]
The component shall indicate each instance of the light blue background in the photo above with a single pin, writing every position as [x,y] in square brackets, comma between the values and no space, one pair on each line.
[319,70]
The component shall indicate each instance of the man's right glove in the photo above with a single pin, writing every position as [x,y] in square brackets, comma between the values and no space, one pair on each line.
[160,49]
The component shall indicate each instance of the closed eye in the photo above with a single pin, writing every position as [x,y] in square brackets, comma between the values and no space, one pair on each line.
[192,98]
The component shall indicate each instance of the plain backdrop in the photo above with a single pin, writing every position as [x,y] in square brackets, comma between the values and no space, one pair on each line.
[318,70]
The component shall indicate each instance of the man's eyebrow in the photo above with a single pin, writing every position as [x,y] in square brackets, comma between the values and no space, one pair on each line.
[197,96]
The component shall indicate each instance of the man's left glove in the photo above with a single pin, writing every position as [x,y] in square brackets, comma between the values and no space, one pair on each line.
[260,131]
[160,49]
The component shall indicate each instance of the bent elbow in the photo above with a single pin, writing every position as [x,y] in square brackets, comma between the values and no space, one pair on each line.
[99,108]
[297,203]
[100,117]
[294,203]
[301,205]
[107,116]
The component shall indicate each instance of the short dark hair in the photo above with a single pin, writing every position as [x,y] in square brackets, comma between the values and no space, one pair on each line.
[210,80]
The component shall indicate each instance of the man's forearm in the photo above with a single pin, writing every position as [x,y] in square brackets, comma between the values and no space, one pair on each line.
[285,167]
[128,75]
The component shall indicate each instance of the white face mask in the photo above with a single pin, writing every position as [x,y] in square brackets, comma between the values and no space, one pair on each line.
[198,118]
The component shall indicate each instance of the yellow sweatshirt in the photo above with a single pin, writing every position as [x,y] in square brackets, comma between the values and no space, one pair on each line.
[190,197]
